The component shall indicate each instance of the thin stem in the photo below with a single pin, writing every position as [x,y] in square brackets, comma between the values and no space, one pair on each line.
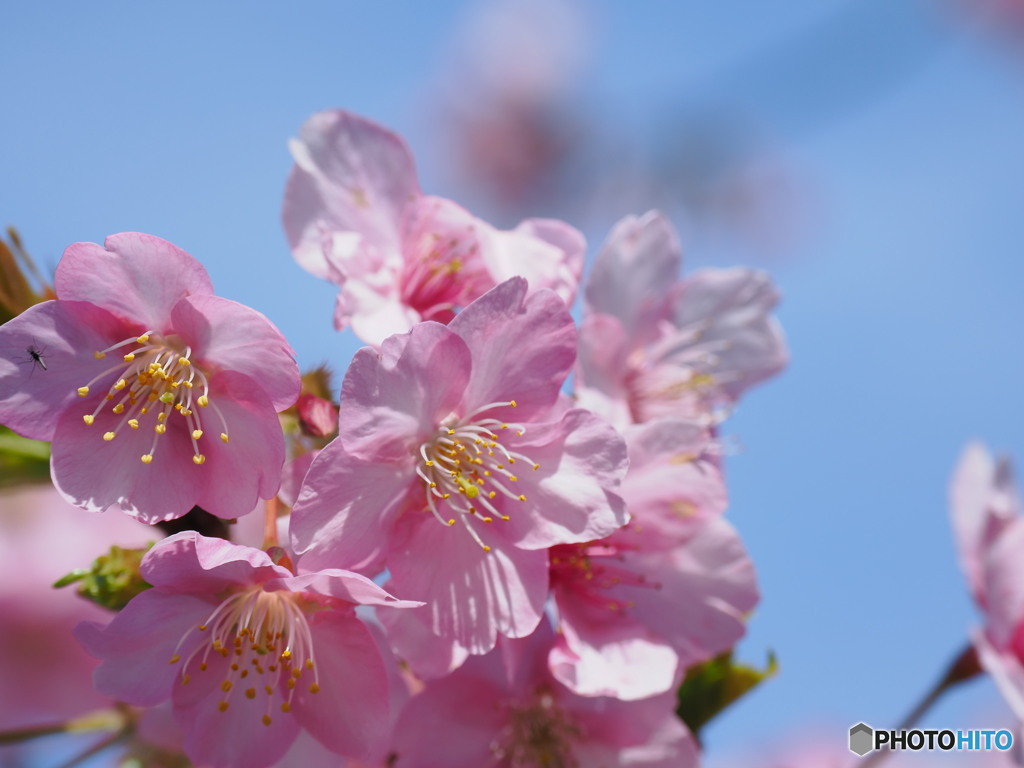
[270,524]
[99,720]
[105,743]
[964,667]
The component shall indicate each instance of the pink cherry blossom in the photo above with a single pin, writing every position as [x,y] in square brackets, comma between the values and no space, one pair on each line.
[669,590]
[249,653]
[449,427]
[653,346]
[355,216]
[505,710]
[157,395]
[989,527]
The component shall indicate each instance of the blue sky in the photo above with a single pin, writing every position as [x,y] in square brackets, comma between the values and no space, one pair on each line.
[900,123]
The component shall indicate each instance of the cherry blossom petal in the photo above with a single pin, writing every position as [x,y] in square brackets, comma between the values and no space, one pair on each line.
[237,338]
[633,274]
[64,334]
[471,594]
[523,347]
[569,496]
[138,644]
[345,510]
[392,399]
[134,276]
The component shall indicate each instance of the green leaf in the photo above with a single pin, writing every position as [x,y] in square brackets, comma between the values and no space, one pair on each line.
[112,580]
[22,461]
[710,688]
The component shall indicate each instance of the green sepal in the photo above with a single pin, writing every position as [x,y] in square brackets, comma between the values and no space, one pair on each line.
[710,688]
[112,580]
[22,461]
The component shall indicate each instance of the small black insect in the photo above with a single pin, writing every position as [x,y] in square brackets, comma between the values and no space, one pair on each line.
[35,357]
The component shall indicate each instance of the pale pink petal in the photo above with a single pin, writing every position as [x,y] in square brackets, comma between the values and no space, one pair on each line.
[707,588]
[731,310]
[139,643]
[293,474]
[135,276]
[349,714]
[1002,575]
[628,664]
[414,642]
[190,562]
[570,496]
[95,474]
[602,370]
[373,316]
[393,399]
[349,174]
[344,513]
[236,737]
[343,585]
[64,334]
[633,274]
[1006,670]
[673,484]
[983,502]
[465,704]
[523,347]
[253,456]
[472,595]
[230,336]
[547,252]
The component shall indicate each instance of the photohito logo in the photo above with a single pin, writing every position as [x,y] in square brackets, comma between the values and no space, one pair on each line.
[864,739]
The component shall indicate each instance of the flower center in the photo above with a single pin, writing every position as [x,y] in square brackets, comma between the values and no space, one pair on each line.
[588,571]
[467,467]
[266,638]
[539,735]
[155,380]
[441,272]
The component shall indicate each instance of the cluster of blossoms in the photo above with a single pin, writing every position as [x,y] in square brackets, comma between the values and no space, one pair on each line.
[481,568]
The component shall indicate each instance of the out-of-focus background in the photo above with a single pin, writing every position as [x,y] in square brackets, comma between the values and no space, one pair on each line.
[867,152]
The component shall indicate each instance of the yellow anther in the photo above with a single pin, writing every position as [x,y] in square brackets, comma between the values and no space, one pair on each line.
[143,338]
[536,466]
[430,463]
[506,518]
[133,423]
[223,706]
[267,720]
[160,428]
[175,659]
[309,663]
[268,689]
[201,459]
[119,408]
[167,398]
[185,679]
[108,436]
[99,355]
[286,655]
[129,357]
[451,521]
[203,401]
[184,361]
[161,417]
[512,478]
[197,433]
[492,494]
[486,548]
[250,693]
[88,418]
[225,686]
[146,458]
[185,412]
[83,391]
[522,497]
[314,688]
[286,707]
[224,436]
[121,384]
[513,403]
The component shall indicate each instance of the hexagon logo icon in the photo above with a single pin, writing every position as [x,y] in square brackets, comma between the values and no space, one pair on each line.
[861,739]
